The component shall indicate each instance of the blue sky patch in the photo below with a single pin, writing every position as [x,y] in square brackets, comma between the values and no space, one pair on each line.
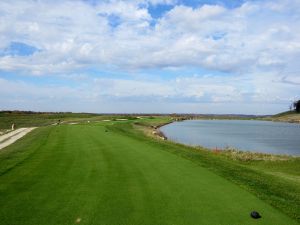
[218,35]
[157,11]
[114,20]
[19,49]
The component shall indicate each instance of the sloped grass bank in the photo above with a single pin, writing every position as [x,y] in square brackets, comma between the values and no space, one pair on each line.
[276,182]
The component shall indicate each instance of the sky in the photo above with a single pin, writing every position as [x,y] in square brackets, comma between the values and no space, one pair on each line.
[150,56]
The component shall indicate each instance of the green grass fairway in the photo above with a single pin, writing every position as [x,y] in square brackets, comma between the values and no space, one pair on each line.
[90,174]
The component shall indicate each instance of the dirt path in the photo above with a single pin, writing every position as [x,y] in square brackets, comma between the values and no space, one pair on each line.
[13,136]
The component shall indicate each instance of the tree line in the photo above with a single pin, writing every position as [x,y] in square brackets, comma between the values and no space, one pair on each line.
[296,106]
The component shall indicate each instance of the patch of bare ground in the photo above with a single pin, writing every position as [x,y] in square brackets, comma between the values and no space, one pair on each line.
[13,136]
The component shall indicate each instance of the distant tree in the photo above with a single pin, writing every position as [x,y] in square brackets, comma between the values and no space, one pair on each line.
[296,106]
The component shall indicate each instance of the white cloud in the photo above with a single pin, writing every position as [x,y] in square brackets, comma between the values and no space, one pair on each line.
[242,39]
[198,94]
[258,43]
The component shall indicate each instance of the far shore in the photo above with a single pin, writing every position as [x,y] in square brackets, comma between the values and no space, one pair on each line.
[230,152]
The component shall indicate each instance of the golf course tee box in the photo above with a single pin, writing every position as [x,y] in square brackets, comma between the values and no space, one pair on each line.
[97,174]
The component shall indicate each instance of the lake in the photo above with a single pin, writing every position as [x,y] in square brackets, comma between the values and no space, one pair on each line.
[247,135]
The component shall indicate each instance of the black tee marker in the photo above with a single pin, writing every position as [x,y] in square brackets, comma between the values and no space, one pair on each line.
[255,215]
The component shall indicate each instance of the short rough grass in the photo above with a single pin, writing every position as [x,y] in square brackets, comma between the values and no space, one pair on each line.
[289,116]
[97,174]
[36,119]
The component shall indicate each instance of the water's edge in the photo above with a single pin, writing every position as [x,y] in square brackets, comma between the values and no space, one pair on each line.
[165,136]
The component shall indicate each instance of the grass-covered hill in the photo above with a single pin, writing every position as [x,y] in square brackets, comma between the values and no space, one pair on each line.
[288,116]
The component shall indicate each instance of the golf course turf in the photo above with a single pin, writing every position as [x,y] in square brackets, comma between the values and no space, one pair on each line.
[91,174]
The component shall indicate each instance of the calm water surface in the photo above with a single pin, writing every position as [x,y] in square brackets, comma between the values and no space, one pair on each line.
[250,135]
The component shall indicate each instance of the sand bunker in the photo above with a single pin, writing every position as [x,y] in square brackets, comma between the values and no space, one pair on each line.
[11,137]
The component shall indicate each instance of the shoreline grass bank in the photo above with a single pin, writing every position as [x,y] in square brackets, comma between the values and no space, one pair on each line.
[273,178]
